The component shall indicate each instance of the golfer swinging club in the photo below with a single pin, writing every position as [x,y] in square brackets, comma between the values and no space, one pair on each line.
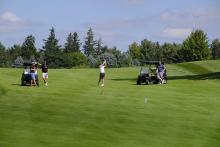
[102,73]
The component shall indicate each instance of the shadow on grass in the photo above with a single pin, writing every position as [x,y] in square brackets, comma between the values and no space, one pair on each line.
[19,85]
[208,76]
[3,91]
[16,84]
[124,79]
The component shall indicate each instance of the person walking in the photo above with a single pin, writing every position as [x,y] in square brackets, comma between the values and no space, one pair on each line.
[44,68]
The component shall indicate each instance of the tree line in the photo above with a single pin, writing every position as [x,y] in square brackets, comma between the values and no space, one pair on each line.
[73,53]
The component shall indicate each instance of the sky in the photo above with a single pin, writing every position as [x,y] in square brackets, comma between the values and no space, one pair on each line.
[117,22]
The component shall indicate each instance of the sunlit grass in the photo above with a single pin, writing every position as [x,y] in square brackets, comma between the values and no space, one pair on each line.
[74,111]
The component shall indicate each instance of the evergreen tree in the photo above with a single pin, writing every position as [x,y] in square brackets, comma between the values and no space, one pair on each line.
[195,47]
[53,52]
[72,43]
[12,53]
[158,52]
[76,42]
[69,43]
[2,55]
[215,47]
[89,43]
[28,48]
[98,48]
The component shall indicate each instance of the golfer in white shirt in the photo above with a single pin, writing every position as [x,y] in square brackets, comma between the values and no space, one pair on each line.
[102,73]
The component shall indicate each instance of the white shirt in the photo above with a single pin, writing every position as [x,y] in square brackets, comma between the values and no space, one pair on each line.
[102,68]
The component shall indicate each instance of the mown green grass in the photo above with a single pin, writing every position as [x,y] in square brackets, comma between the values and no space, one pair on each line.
[74,111]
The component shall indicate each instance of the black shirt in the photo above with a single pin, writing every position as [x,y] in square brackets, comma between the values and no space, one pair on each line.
[44,68]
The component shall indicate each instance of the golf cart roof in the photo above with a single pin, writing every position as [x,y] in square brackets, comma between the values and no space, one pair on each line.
[150,62]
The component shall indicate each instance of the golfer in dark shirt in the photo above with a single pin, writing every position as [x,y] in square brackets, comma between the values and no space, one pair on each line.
[160,72]
[45,73]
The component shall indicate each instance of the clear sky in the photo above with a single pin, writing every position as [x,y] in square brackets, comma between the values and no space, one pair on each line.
[117,22]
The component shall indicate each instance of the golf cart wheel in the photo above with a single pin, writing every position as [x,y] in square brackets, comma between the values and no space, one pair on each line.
[165,81]
[23,83]
[138,82]
[147,82]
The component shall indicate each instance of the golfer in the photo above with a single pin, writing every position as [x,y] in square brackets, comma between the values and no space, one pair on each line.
[102,73]
[33,71]
[44,68]
[160,72]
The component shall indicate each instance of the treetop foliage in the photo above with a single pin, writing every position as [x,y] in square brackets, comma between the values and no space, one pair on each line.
[195,47]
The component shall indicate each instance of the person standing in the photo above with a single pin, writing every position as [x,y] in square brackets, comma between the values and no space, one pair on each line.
[102,73]
[44,68]
[33,74]
[160,72]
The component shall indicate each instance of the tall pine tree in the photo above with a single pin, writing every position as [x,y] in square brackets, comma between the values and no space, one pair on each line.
[28,48]
[98,47]
[72,43]
[52,50]
[2,55]
[88,47]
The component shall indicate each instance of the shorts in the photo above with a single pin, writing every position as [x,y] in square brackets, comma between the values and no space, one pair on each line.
[33,76]
[161,74]
[45,75]
[102,76]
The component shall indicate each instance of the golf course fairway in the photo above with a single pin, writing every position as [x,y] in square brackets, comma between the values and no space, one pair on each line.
[74,112]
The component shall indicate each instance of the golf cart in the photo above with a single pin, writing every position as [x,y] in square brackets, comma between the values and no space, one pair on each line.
[148,75]
[26,75]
